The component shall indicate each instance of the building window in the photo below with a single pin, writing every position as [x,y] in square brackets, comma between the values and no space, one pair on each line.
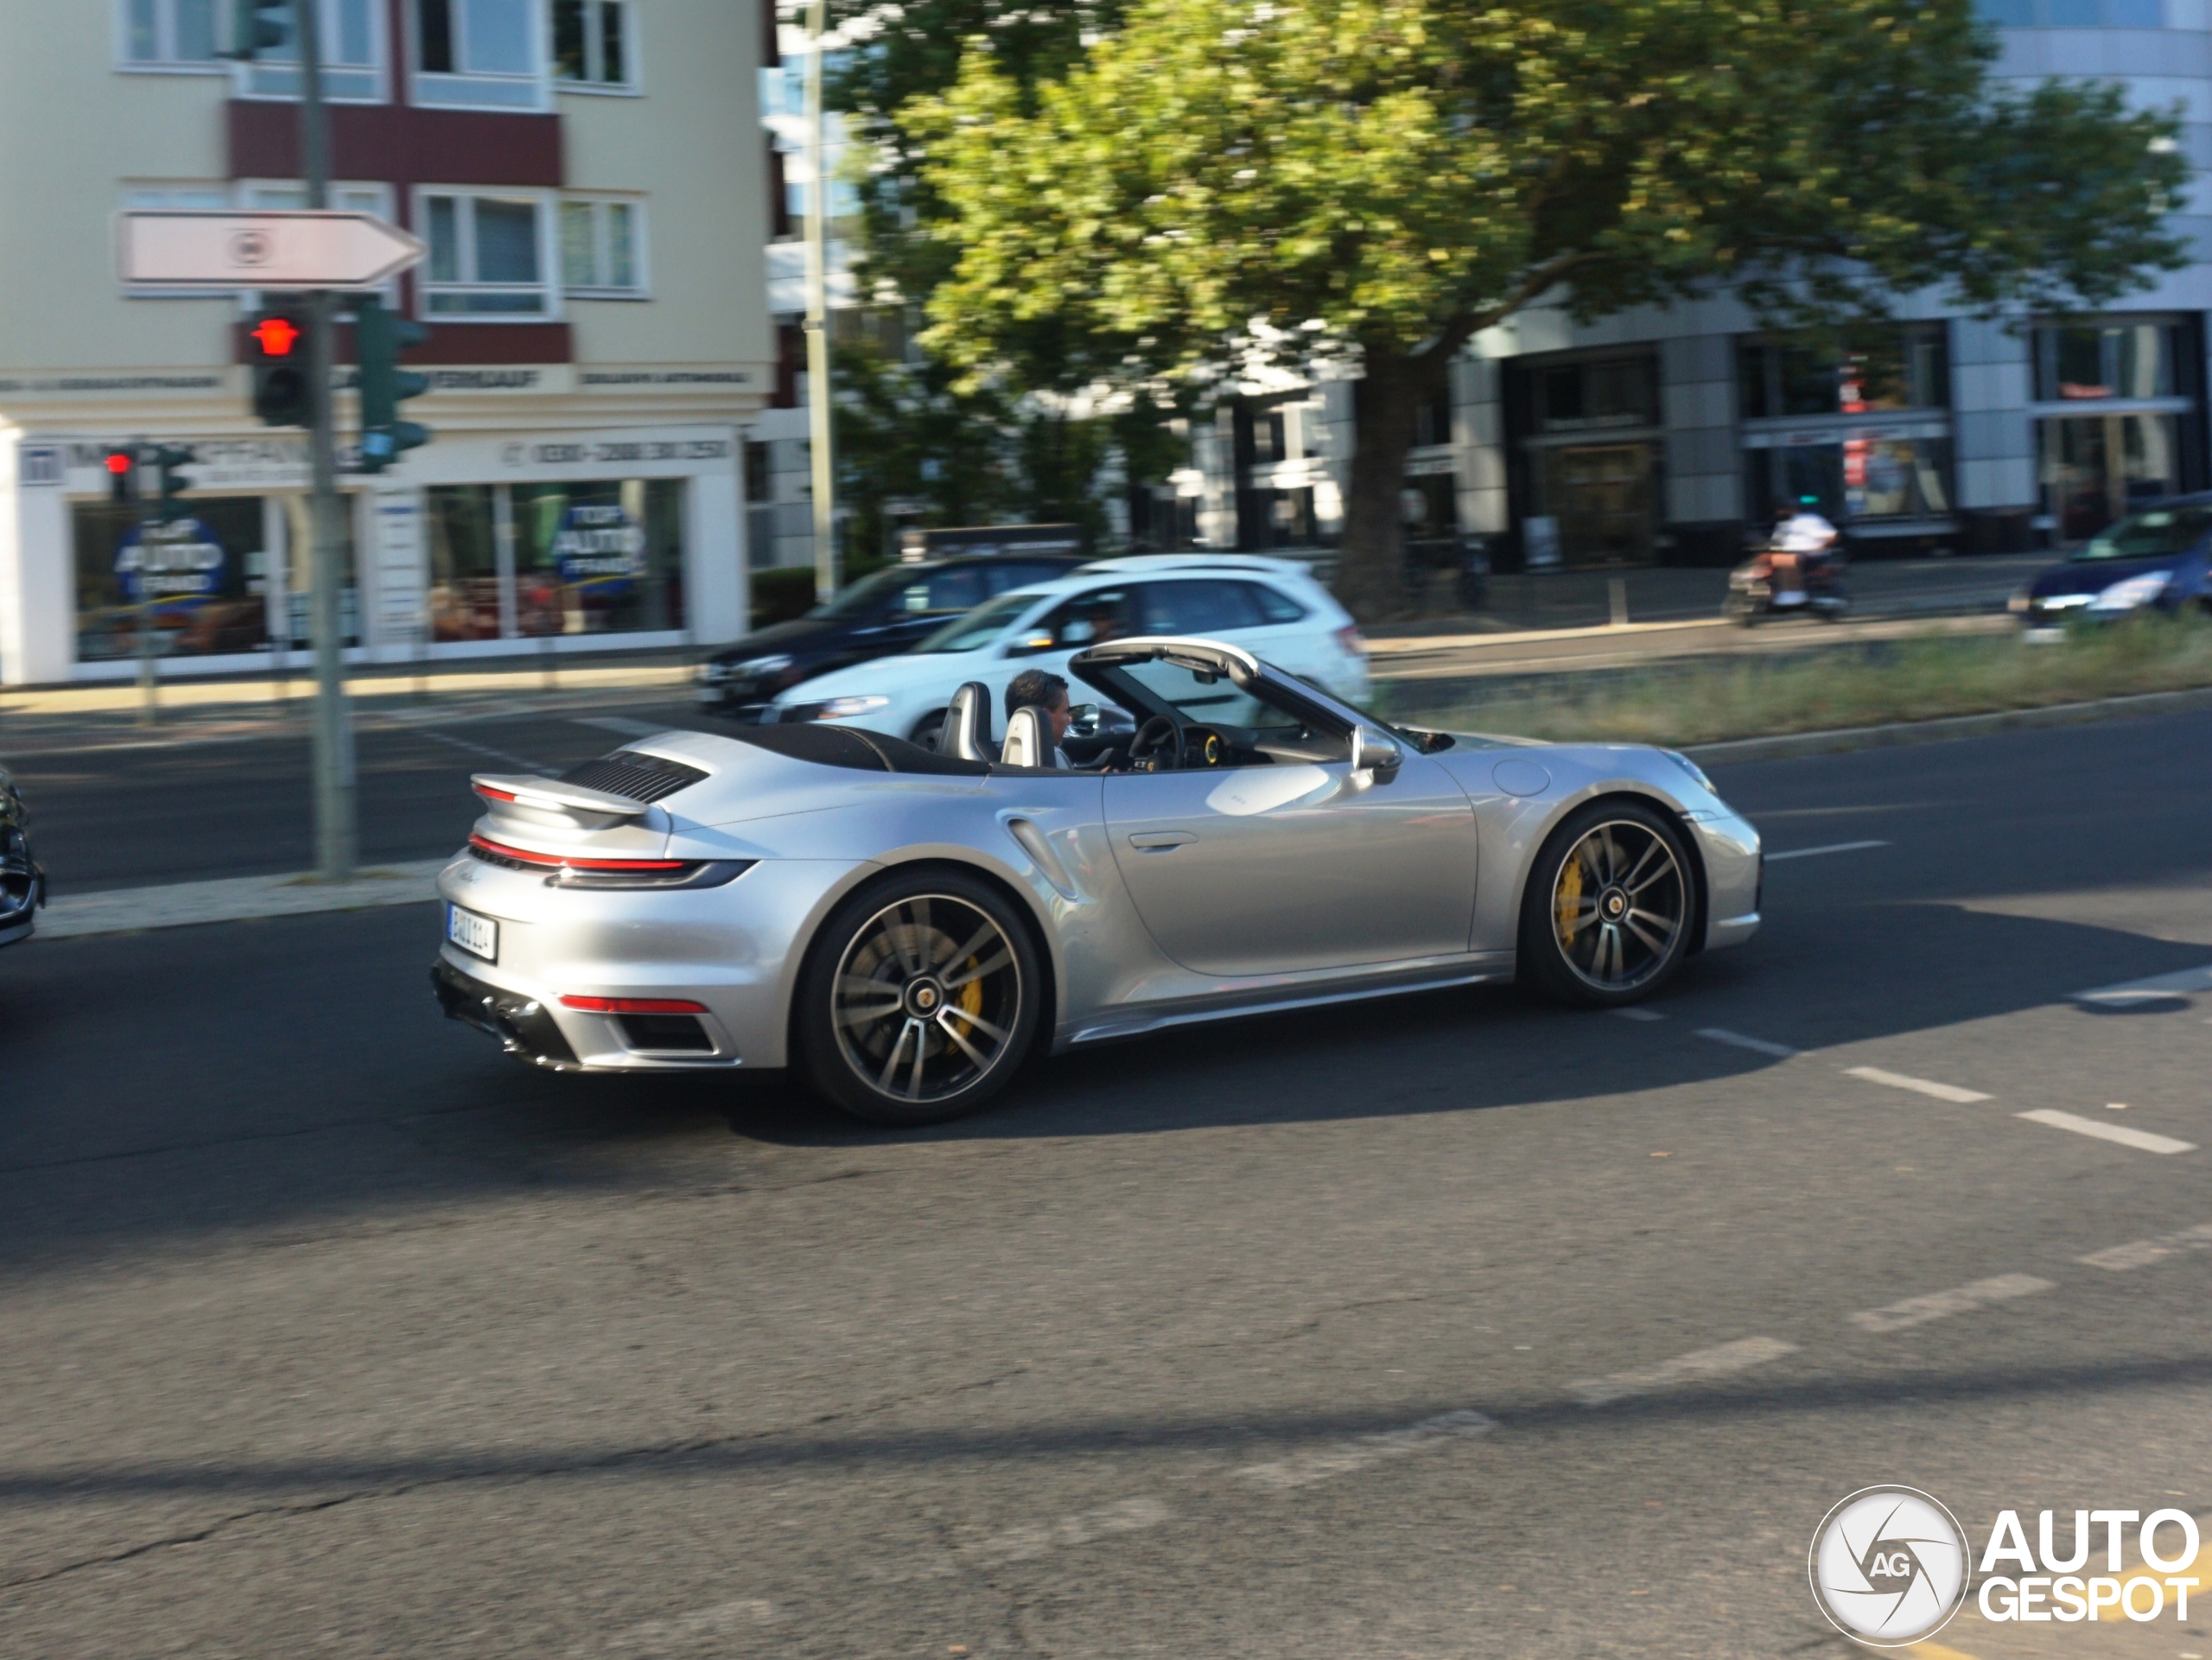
[198,584]
[352,35]
[480,54]
[170,35]
[592,46]
[1587,396]
[600,558]
[2075,362]
[602,248]
[488,258]
[1907,369]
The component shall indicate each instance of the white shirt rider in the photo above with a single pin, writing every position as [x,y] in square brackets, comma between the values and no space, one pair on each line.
[1804,531]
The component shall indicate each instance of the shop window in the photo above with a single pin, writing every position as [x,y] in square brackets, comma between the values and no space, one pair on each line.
[1859,479]
[599,558]
[298,629]
[170,35]
[1604,499]
[486,259]
[462,526]
[2084,361]
[200,583]
[602,248]
[352,38]
[480,54]
[2097,468]
[1904,369]
[1607,392]
[592,48]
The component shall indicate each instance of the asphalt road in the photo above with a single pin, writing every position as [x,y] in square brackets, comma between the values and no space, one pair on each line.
[1450,1326]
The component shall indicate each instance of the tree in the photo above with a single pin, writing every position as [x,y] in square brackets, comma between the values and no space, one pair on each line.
[1375,182]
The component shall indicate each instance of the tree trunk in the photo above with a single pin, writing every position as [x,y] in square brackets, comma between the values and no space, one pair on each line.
[1386,403]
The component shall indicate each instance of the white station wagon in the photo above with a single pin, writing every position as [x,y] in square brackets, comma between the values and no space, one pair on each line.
[1272,608]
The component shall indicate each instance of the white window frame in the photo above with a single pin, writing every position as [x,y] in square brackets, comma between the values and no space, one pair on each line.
[468,89]
[547,203]
[167,63]
[274,80]
[641,289]
[633,83]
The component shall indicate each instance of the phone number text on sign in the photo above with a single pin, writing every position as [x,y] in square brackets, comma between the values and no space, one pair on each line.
[614,453]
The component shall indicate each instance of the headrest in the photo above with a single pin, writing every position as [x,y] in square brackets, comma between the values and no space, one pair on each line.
[1025,739]
[967,731]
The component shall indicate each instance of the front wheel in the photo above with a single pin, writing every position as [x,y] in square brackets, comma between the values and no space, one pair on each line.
[1605,917]
[918,1000]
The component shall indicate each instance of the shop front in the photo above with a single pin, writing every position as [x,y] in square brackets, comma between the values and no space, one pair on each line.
[2119,421]
[1590,459]
[489,542]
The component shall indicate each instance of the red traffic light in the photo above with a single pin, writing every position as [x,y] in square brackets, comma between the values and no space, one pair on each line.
[278,336]
[118,463]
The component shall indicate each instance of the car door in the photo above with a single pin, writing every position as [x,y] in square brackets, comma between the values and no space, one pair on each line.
[1293,862]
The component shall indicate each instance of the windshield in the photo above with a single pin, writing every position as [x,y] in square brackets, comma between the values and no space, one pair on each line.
[868,595]
[2151,535]
[980,626]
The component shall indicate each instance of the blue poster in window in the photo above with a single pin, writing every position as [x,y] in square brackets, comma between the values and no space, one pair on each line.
[601,548]
[180,562]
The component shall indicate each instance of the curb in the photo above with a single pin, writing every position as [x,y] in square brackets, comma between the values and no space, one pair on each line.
[238,898]
[1788,746]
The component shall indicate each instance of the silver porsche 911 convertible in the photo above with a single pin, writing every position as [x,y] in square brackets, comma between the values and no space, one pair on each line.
[903,925]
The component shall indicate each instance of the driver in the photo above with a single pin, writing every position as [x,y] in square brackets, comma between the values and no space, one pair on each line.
[1048,692]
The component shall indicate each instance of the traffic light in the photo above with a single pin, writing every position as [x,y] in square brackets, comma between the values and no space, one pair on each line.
[256,26]
[122,475]
[168,460]
[280,369]
[378,338]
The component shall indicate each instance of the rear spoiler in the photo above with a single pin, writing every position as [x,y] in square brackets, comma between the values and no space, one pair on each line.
[595,809]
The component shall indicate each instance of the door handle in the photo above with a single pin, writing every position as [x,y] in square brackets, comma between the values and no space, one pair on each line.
[1160,841]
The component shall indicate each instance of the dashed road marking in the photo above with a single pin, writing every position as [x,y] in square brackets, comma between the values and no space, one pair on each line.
[1940,1304]
[1757,1046]
[617,723]
[1918,1085]
[1639,1013]
[1720,1361]
[485,750]
[2140,1139]
[1344,1457]
[1814,853]
[2155,989]
[2141,1253]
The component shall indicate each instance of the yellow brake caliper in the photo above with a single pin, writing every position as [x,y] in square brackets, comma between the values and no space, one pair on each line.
[1569,901]
[972,995]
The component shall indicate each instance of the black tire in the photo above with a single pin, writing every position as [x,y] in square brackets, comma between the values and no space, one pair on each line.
[886,1027]
[1637,860]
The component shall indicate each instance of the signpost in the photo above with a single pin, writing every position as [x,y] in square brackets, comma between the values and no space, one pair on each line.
[185,248]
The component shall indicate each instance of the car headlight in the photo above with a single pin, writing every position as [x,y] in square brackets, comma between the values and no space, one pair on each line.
[760,665]
[713,674]
[2136,590]
[1692,769]
[842,708]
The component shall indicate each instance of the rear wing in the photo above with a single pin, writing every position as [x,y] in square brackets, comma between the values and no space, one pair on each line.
[562,802]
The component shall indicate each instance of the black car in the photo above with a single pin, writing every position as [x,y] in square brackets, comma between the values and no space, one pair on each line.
[23,884]
[882,613]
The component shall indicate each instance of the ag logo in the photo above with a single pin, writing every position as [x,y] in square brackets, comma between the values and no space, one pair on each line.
[1889,1565]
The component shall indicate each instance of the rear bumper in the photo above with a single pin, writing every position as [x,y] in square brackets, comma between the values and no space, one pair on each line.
[523,1024]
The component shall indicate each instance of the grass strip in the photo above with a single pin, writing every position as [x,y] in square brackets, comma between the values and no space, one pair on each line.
[1709,700]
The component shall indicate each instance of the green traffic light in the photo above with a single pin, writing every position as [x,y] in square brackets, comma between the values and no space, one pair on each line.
[378,338]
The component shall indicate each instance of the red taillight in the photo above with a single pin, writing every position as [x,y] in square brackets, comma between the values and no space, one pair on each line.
[571,861]
[633,1005]
[491,794]
[1348,637]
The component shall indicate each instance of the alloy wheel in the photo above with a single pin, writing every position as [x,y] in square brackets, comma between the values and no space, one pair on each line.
[927,999]
[1619,904]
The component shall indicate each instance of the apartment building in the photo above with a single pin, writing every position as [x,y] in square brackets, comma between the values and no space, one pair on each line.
[588,177]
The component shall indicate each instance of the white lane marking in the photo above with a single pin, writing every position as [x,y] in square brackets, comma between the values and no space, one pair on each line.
[1344,1457]
[1918,1085]
[1814,853]
[1717,1362]
[723,1619]
[1639,1013]
[1959,1300]
[617,723]
[1757,1046]
[2141,1253]
[2141,1139]
[487,751]
[1023,1543]
[2155,989]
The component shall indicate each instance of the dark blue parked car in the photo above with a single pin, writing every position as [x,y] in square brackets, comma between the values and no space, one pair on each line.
[2159,558]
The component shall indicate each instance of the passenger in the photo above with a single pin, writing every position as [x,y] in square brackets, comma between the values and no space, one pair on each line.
[1048,692]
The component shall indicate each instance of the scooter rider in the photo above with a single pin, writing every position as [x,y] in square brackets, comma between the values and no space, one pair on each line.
[1804,531]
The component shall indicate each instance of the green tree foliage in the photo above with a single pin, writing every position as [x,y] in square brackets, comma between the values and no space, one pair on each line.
[1378,180]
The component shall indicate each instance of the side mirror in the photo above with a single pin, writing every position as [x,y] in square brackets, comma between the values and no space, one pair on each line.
[1373,754]
[1083,719]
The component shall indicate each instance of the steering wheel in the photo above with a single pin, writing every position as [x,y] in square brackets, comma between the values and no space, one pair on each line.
[1158,746]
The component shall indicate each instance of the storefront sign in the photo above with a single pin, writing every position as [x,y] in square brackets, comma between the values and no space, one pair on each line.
[600,546]
[1807,437]
[615,452]
[64,385]
[180,560]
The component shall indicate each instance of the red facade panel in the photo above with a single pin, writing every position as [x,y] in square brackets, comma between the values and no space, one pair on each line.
[402,146]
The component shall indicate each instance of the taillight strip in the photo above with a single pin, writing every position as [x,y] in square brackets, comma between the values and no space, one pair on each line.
[633,1005]
[491,794]
[570,862]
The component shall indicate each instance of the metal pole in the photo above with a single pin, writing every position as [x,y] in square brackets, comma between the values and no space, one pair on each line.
[149,675]
[334,840]
[817,321]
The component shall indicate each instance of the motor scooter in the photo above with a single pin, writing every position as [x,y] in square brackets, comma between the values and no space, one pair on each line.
[1780,582]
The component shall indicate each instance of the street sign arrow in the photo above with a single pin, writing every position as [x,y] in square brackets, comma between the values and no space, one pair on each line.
[183,248]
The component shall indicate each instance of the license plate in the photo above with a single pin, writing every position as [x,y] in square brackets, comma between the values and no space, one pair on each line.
[477,935]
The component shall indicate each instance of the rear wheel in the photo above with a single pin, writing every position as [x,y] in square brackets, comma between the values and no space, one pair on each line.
[919,999]
[1605,917]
